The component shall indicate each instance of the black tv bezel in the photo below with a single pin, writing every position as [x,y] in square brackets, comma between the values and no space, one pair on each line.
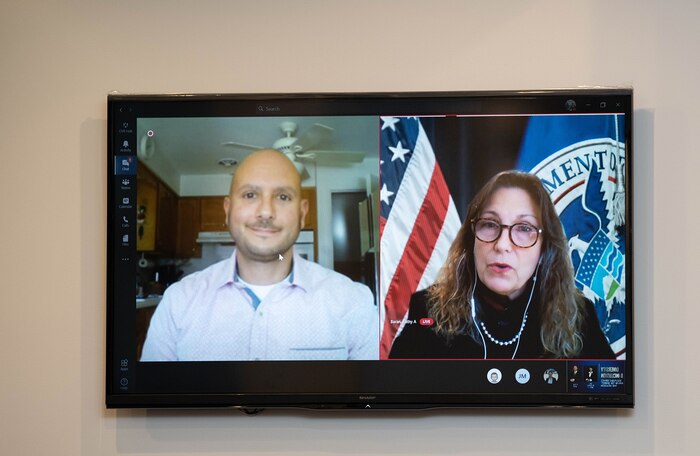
[318,104]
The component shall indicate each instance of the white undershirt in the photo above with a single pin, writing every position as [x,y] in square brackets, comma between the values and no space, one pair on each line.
[261,291]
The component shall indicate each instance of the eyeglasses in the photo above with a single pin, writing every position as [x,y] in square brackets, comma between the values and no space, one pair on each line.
[521,234]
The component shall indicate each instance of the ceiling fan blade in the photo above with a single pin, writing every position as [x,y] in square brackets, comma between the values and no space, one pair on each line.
[332,157]
[313,136]
[241,145]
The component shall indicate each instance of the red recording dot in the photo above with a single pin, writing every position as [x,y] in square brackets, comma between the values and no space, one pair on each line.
[150,133]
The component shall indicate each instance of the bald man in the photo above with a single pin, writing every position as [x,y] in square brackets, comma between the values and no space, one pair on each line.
[264,302]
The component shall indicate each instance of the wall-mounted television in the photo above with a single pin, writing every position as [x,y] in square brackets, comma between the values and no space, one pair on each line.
[370,250]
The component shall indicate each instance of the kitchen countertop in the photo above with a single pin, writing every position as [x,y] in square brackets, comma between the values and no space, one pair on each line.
[148,301]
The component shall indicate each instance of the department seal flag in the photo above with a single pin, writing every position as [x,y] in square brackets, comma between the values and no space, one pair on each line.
[581,162]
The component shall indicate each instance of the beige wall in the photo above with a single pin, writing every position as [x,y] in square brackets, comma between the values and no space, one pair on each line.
[58,61]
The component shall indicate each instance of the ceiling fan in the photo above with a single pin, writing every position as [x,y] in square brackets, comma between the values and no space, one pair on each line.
[302,148]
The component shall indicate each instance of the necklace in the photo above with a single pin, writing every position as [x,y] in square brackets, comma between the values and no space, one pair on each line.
[522,325]
[507,342]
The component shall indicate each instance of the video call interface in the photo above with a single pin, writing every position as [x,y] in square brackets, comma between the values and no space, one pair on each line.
[362,214]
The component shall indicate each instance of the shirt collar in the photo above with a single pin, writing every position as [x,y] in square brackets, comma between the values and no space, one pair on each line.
[300,273]
[225,274]
[228,274]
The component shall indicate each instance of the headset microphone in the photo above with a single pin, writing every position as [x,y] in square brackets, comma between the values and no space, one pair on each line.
[483,341]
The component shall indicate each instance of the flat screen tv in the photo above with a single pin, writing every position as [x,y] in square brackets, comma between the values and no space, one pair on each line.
[370,250]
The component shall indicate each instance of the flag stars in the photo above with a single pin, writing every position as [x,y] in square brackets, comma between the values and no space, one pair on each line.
[384,194]
[389,122]
[398,152]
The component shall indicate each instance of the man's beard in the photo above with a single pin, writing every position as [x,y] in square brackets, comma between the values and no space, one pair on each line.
[265,254]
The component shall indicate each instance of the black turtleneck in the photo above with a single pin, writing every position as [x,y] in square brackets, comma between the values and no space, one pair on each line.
[503,317]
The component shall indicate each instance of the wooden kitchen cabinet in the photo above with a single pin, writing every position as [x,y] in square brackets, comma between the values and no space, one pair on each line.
[166,223]
[146,210]
[311,222]
[196,214]
[213,217]
[188,226]
[156,214]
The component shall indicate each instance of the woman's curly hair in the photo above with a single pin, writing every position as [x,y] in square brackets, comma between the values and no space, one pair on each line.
[561,303]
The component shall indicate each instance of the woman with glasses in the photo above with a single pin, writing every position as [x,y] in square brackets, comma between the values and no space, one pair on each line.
[507,288]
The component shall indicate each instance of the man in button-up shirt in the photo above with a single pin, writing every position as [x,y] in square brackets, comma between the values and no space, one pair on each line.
[264,302]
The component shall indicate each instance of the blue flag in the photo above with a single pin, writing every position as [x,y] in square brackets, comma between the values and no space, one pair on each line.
[580,159]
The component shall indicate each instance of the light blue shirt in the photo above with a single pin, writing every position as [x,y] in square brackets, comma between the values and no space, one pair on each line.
[210,316]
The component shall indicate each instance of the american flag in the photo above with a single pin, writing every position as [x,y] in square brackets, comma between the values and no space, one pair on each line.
[418,220]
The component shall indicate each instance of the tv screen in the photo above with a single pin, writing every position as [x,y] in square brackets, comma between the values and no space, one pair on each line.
[370,250]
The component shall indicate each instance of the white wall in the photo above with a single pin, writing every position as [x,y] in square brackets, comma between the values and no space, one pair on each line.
[205,185]
[58,61]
